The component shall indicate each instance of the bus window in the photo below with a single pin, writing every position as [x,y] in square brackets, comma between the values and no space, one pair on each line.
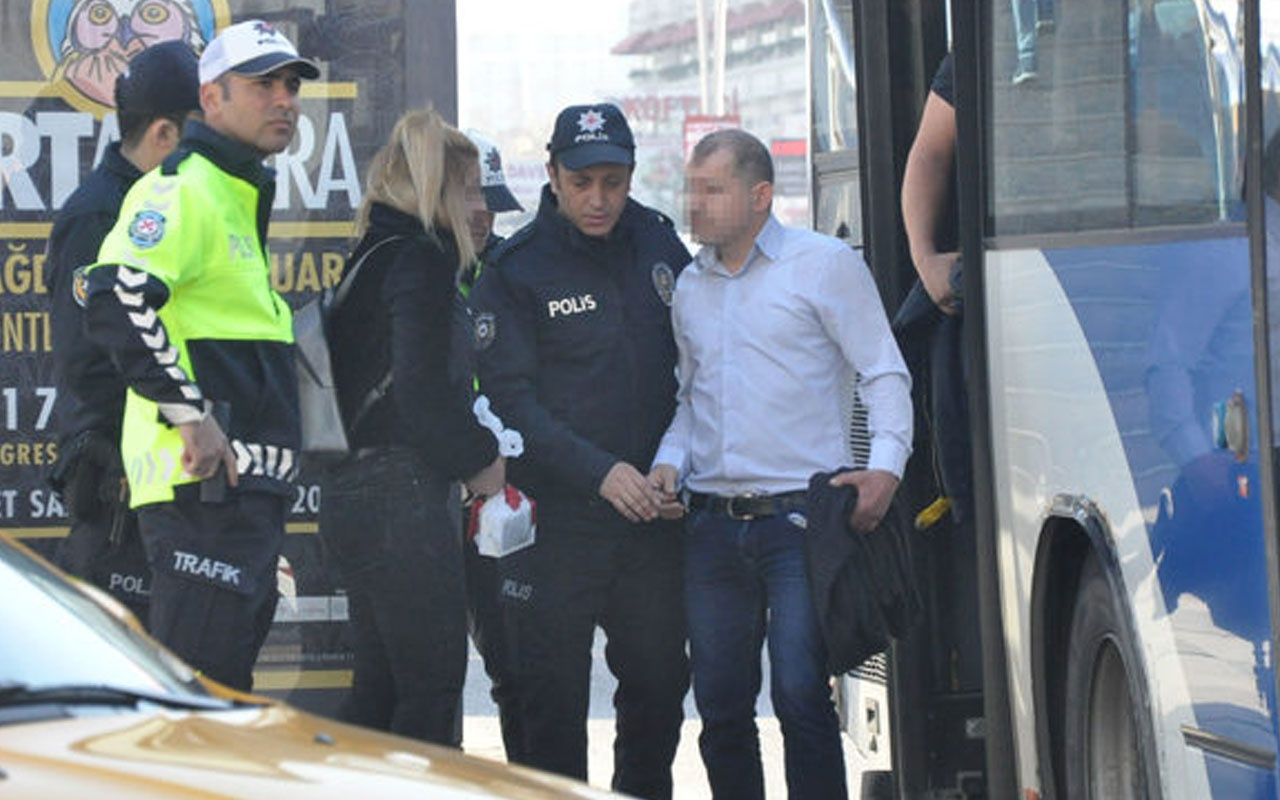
[837,207]
[1132,119]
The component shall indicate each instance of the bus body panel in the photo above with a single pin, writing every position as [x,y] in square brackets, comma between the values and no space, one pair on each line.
[1080,355]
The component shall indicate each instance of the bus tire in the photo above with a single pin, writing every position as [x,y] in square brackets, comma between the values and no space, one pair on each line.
[1109,748]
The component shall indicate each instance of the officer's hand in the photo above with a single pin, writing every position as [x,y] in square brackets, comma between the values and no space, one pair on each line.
[875,492]
[490,480]
[204,448]
[664,478]
[630,493]
[935,274]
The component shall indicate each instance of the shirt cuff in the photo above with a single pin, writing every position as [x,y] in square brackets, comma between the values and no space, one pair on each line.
[672,456]
[888,456]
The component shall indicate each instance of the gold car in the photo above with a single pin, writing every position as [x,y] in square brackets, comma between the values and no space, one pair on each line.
[90,707]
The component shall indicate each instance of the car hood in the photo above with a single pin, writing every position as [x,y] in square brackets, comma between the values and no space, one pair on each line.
[269,751]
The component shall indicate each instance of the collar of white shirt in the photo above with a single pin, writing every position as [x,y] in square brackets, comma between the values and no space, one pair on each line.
[768,244]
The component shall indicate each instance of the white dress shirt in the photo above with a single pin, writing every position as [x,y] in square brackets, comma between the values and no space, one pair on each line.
[766,355]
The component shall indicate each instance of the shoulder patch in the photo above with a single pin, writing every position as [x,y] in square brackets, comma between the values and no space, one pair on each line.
[486,329]
[664,281]
[147,228]
[80,286]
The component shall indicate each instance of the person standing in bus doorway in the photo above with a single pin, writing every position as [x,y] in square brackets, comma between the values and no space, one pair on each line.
[181,295]
[929,217]
[930,328]
[572,318]
[153,97]
[403,368]
[771,323]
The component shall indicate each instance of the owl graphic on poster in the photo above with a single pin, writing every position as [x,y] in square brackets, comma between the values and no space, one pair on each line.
[102,35]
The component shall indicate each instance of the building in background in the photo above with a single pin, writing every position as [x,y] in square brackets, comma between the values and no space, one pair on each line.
[519,63]
[764,91]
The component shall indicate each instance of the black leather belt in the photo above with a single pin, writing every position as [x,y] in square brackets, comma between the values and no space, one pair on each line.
[747,506]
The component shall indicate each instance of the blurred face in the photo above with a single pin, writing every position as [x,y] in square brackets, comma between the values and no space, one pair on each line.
[260,112]
[473,203]
[592,198]
[725,211]
[479,217]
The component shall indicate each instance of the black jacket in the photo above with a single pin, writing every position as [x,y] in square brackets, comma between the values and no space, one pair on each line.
[403,315]
[863,584]
[576,348]
[90,389]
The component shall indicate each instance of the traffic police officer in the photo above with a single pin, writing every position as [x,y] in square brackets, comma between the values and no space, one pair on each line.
[153,97]
[572,315]
[182,296]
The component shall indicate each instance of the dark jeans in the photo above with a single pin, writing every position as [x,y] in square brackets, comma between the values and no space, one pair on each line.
[745,579]
[390,525]
[213,592]
[628,580]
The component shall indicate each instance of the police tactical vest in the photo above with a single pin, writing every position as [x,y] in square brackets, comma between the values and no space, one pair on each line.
[195,229]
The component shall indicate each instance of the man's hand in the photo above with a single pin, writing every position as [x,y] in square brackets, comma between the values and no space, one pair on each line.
[875,492]
[204,447]
[935,274]
[490,480]
[664,478]
[631,493]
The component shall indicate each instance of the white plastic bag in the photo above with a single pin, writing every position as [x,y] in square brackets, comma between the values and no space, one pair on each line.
[504,524]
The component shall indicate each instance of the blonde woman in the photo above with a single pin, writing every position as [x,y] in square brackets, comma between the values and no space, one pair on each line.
[401,355]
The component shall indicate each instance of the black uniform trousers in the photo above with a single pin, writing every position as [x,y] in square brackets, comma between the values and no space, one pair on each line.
[118,566]
[103,545]
[628,579]
[214,592]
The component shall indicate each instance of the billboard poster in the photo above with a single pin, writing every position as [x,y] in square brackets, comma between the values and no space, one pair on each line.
[56,119]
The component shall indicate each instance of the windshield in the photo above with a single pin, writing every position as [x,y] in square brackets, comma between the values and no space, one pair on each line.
[54,635]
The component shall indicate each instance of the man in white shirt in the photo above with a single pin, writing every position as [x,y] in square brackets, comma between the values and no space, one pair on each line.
[772,323]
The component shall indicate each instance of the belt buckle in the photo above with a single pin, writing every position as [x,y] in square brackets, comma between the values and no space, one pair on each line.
[744,516]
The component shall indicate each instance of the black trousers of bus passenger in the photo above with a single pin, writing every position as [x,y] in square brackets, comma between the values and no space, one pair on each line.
[581,572]
[213,591]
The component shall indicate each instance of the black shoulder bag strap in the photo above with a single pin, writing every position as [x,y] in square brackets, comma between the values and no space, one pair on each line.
[380,389]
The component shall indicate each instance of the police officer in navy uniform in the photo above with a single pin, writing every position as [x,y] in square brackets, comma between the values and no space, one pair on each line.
[572,318]
[483,612]
[153,97]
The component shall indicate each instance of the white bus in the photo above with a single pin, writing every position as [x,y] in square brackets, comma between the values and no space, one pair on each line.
[1099,620]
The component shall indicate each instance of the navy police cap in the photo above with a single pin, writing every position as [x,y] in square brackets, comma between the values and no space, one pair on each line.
[594,134]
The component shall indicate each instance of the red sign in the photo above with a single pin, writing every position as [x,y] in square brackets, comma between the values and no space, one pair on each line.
[698,125]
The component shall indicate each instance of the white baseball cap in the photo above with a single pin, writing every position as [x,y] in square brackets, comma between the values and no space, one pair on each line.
[493,181]
[251,47]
